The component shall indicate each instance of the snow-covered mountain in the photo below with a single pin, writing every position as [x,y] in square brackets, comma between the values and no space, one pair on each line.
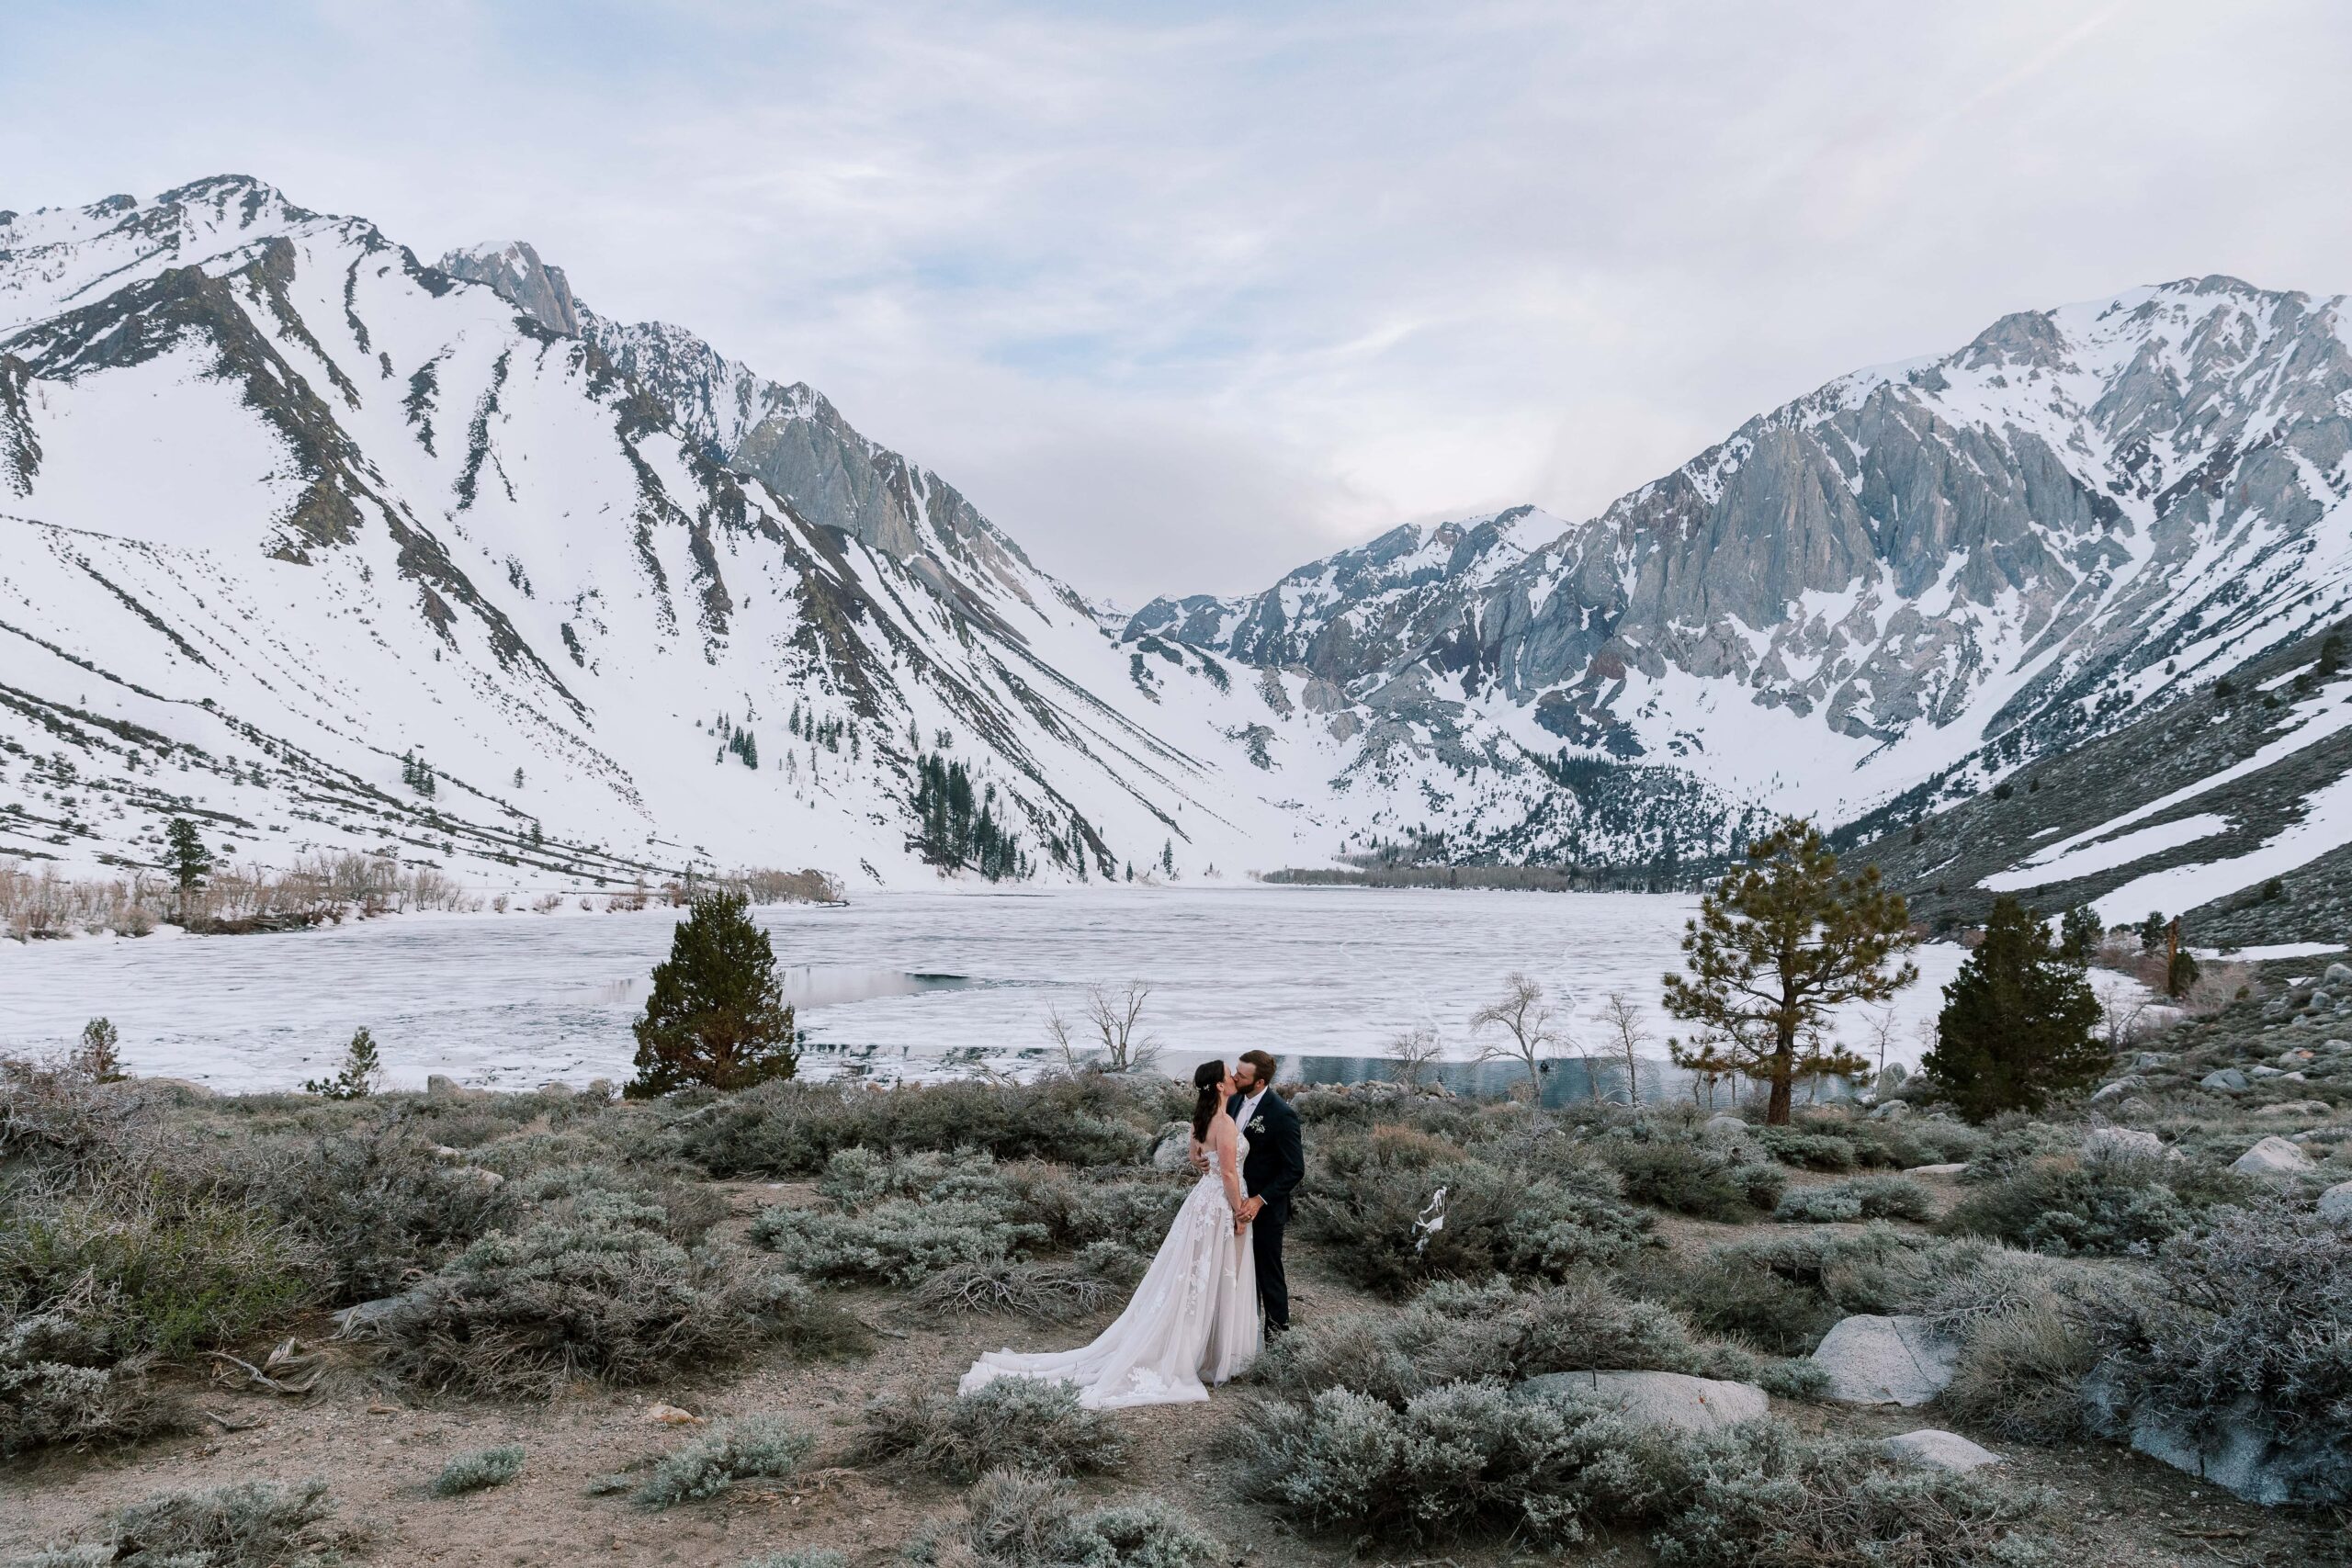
[1898,589]
[331,550]
[282,508]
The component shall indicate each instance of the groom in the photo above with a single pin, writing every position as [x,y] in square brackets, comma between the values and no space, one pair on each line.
[1272,1172]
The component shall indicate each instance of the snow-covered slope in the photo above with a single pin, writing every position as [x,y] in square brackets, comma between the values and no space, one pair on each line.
[280,507]
[1897,589]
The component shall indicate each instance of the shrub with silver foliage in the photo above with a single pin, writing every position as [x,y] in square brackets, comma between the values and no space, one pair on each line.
[1025,1423]
[1013,1520]
[479,1470]
[740,1450]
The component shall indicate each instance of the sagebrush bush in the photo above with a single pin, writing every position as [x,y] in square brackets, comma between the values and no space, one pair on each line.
[1471,1460]
[1453,1460]
[2065,1203]
[1013,1520]
[1379,1218]
[754,1447]
[1494,1331]
[2021,1370]
[61,1386]
[1728,1295]
[1690,1177]
[1764,1496]
[478,1471]
[171,1281]
[898,1241]
[1859,1198]
[1025,1423]
[2244,1331]
[601,1294]
[807,1557]
[1813,1151]
[794,1128]
[251,1524]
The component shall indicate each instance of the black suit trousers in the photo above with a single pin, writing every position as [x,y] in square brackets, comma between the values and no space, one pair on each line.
[1266,1251]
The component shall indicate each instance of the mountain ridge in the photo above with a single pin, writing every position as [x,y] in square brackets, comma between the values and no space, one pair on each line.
[539,540]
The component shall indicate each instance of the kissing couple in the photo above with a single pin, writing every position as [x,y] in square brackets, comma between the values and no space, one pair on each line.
[1195,1319]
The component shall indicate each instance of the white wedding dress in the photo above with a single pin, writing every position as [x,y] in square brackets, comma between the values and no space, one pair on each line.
[1193,1322]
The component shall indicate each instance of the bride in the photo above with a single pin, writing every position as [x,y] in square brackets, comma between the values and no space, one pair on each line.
[1194,1321]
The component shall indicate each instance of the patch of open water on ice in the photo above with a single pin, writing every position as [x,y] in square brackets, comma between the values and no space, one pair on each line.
[894,985]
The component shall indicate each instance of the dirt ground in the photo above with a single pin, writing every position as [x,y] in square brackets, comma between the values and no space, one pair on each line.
[378,1450]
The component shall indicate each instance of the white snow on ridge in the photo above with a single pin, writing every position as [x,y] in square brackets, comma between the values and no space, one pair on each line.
[2040,868]
[2326,823]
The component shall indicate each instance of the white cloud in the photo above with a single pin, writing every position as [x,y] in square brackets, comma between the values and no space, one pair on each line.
[1184,300]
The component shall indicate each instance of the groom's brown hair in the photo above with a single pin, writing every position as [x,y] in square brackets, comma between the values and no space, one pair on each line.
[1264,1064]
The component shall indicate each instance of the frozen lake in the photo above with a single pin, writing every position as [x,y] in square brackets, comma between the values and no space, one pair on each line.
[895,985]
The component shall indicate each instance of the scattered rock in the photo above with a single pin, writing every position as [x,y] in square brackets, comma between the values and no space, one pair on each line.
[2296,1107]
[1886,1360]
[1661,1399]
[353,1320]
[2261,1071]
[1954,1169]
[2228,1080]
[1940,1450]
[2239,1450]
[671,1415]
[2337,1047]
[2120,1087]
[439,1086]
[1175,1145]
[2272,1156]
[2121,1142]
[2335,1204]
[2338,975]
[1892,1110]
[2152,1059]
[1726,1126]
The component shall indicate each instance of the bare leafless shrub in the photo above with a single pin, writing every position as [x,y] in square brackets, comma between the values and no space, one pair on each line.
[1050,1293]
[250,1524]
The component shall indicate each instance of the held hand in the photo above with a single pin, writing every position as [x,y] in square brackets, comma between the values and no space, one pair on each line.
[1249,1210]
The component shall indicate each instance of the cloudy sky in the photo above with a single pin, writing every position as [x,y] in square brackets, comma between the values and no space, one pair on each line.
[1186,294]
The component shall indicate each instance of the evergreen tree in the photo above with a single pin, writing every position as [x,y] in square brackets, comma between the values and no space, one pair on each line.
[2018,1021]
[357,1078]
[2152,932]
[1168,856]
[2078,933]
[185,855]
[1777,943]
[98,1058]
[716,1015]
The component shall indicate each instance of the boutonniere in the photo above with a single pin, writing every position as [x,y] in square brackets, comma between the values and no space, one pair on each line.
[1257,1124]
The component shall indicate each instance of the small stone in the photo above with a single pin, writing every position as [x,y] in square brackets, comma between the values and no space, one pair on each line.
[2295,1108]
[2337,1047]
[671,1415]
[2227,1080]
[2335,1204]
[1954,1169]
[2121,1142]
[1175,1145]
[2293,1077]
[441,1087]
[1939,1449]
[2272,1156]
[2338,975]
[1892,1110]
[1723,1125]
[2121,1086]
[2152,1059]
[2260,1071]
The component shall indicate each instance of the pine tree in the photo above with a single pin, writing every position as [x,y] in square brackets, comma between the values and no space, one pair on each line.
[185,855]
[357,1078]
[2018,1021]
[1168,856]
[2078,933]
[1777,943]
[98,1058]
[716,1015]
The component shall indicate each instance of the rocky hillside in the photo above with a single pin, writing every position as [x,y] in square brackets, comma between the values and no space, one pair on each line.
[1912,583]
[331,550]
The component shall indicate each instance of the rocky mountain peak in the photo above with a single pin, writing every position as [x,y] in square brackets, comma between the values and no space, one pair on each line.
[522,279]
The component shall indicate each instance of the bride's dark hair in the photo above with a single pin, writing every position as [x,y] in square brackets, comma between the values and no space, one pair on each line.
[1206,1077]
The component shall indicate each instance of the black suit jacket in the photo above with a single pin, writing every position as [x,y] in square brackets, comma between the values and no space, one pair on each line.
[1277,1160]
